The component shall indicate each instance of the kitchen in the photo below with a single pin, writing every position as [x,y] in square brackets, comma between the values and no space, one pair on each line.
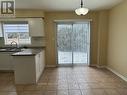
[25,47]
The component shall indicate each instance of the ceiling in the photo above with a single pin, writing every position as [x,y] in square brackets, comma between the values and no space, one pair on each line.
[65,5]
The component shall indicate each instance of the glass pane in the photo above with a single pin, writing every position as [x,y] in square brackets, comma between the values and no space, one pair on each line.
[9,37]
[16,28]
[79,43]
[1,34]
[64,44]
[73,43]
[16,32]
[24,38]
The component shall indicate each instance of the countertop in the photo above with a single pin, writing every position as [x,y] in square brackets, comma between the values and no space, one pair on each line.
[27,52]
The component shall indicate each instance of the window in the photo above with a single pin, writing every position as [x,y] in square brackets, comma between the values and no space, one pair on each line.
[17,31]
[1,34]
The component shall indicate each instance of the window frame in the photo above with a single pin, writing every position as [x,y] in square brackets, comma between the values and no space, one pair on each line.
[15,22]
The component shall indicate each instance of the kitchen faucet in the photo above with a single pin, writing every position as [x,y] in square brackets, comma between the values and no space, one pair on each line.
[14,42]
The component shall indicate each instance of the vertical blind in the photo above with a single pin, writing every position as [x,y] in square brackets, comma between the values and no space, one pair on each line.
[15,26]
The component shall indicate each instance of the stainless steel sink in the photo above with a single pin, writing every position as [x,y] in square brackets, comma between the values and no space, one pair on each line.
[10,49]
[16,50]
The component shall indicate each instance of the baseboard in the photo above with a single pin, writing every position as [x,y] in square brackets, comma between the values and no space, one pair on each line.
[98,66]
[118,74]
[50,66]
[93,65]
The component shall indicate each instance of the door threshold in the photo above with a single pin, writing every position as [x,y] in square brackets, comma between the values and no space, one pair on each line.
[72,65]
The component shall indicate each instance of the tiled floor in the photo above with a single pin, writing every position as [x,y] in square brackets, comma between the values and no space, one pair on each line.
[67,81]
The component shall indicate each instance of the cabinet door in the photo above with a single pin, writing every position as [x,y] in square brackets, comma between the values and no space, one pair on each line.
[6,61]
[37,60]
[36,27]
[42,61]
[39,64]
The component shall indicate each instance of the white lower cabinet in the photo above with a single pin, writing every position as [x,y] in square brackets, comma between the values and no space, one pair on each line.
[42,60]
[6,62]
[37,61]
[28,69]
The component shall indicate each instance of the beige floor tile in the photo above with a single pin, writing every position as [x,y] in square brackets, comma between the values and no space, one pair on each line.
[112,92]
[33,93]
[19,88]
[108,85]
[99,92]
[94,85]
[4,88]
[8,93]
[34,87]
[121,85]
[122,91]
[12,88]
[51,87]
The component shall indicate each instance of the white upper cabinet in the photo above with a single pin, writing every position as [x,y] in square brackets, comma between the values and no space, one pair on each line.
[36,27]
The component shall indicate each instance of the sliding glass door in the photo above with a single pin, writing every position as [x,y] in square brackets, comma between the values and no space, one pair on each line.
[64,32]
[73,42]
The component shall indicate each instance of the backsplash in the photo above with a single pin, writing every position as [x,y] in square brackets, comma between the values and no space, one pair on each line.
[1,41]
[38,41]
